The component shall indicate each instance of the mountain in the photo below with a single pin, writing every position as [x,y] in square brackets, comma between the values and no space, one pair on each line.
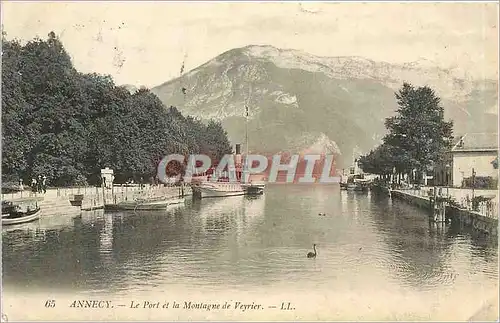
[298,101]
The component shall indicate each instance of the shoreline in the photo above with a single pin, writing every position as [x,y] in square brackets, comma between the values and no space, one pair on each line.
[462,216]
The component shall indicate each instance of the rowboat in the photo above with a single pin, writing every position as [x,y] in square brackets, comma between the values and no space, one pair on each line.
[22,211]
[144,204]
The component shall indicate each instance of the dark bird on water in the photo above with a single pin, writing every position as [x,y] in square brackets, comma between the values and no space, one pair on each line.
[312,254]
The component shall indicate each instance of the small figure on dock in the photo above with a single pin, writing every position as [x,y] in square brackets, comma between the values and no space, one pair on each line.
[39,184]
[44,184]
[33,185]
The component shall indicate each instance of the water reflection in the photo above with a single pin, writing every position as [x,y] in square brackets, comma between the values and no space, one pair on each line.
[365,243]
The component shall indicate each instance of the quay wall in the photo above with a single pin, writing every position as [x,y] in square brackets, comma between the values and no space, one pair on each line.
[464,217]
[416,200]
[56,201]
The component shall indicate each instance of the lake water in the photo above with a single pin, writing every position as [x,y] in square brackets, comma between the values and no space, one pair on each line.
[377,259]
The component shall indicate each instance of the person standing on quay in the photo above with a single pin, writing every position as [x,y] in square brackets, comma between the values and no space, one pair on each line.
[33,185]
[39,184]
[44,184]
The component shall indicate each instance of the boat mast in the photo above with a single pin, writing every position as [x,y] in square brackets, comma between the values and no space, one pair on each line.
[354,163]
[245,165]
[246,131]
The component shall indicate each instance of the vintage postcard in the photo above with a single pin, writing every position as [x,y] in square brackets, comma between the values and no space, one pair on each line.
[249,161]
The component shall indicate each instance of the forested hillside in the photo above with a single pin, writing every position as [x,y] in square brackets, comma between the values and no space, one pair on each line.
[68,125]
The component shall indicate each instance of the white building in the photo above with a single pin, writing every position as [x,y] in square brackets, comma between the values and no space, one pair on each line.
[472,151]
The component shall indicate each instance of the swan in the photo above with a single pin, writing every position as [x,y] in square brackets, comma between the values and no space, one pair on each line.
[311,254]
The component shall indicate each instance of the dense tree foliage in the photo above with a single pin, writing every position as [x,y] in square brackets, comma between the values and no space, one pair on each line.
[417,135]
[68,125]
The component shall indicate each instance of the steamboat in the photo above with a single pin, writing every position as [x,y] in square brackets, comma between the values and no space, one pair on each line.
[213,184]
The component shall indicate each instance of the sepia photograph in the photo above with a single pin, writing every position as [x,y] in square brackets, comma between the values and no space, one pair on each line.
[249,161]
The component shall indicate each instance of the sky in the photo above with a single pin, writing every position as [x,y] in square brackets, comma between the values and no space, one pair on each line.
[145,43]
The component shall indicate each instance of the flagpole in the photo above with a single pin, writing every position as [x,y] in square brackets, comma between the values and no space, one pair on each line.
[245,168]
[246,130]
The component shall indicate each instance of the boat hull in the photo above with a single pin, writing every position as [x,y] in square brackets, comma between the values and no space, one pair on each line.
[29,217]
[92,208]
[357,188]
[208,192]
[218,189]
[255,189]
[143,206]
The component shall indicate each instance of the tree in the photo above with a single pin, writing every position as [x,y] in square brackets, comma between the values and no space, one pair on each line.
[379,161]
[419,130]
[418,135]
[68,125]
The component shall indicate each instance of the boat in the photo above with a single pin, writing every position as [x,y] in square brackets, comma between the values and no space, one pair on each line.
[360,185]
[356,180]
[144,204]
[92,208]
[380,187]
[219,189]
[220,185]
[254,188]
[20,211]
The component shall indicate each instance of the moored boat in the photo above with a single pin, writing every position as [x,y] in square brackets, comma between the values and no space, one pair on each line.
[144,204]
[219,189]
[380,187]
[254,188]
[215,185]
[356,182]
[21,211]
[92,207]
[356,179]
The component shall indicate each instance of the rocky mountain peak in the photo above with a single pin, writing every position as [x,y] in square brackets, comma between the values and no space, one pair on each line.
[297,99]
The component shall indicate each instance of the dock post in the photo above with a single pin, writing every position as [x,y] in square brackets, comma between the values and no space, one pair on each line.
[103,195]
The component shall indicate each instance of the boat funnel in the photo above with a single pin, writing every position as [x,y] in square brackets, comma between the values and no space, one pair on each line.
[238,154]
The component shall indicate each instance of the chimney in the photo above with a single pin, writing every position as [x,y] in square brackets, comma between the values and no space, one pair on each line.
[237,160]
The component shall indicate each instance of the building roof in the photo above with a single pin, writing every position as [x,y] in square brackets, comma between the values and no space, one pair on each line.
[476,142]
